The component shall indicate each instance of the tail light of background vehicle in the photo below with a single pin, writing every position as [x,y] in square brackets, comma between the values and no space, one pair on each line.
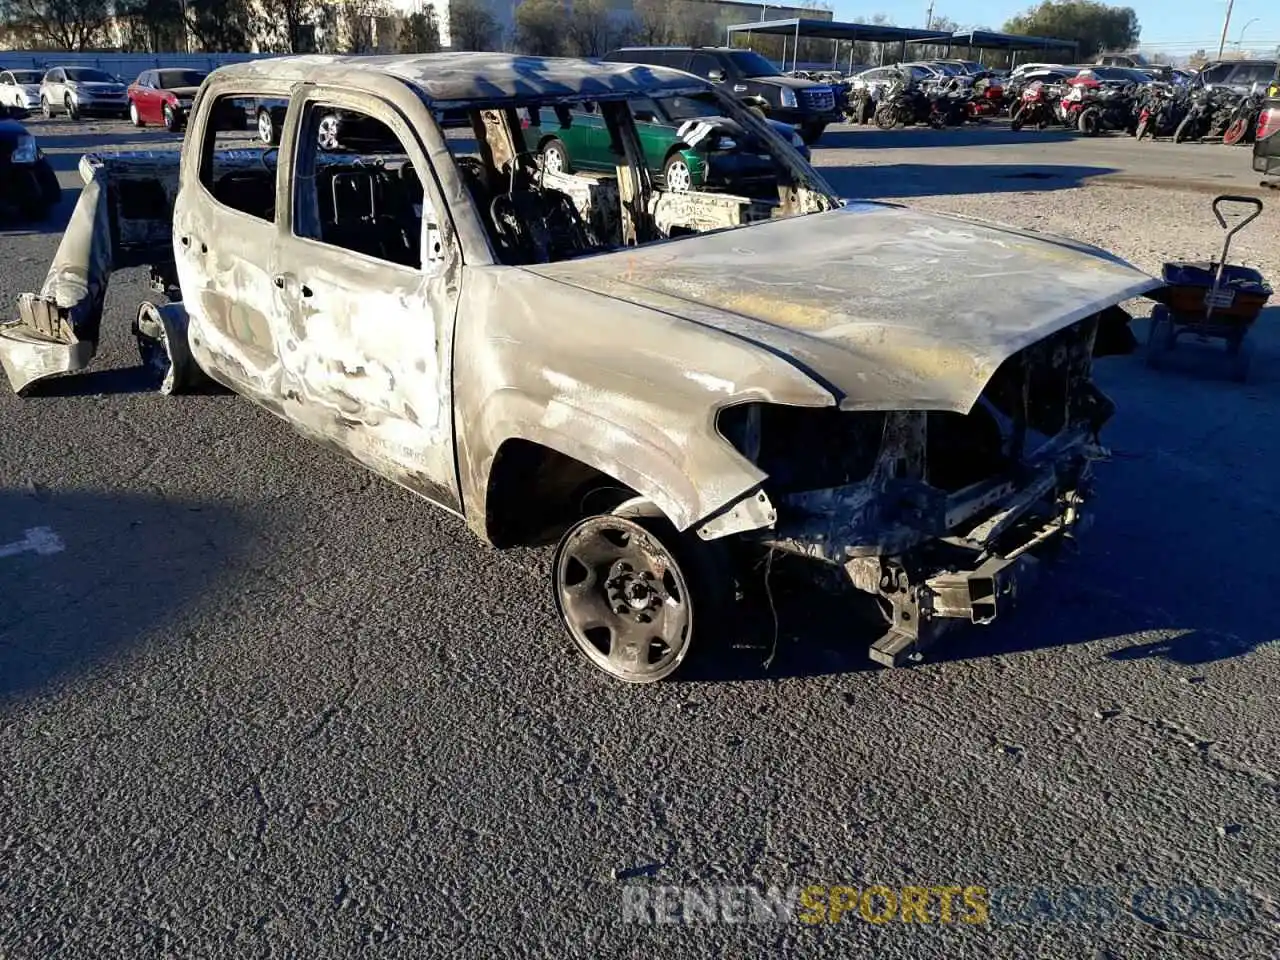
[1268,122]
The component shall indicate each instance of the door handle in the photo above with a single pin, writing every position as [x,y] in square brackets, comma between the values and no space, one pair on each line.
[306,291]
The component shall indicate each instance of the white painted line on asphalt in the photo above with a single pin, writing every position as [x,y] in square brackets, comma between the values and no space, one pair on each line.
[39,540]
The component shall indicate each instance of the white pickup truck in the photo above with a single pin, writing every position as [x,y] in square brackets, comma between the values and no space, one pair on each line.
[671,385]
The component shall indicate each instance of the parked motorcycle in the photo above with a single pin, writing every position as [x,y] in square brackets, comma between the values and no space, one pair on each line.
[860,106]
[903,103]
[1207,115]
[1034,106]
[1161,108]
[1103,108]
[1243,122]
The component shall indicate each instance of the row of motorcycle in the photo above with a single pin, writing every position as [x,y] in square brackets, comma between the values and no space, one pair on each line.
[1153,110]
[902,103]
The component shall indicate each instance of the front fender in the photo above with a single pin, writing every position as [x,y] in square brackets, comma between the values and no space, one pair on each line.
[628,390]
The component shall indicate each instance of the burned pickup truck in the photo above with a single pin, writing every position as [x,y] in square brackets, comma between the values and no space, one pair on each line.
[667,384]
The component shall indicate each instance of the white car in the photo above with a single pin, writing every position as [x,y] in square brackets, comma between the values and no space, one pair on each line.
[878,79]
[79,91]
[20,89]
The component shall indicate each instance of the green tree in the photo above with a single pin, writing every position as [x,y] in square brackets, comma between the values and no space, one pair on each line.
[1094,26]
[589,31]
[471,26]
[541,28]
[420,32]
[222,26]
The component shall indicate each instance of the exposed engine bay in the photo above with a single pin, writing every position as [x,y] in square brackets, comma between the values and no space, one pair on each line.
[935,513]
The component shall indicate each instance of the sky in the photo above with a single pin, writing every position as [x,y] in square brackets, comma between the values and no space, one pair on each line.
[1177,27]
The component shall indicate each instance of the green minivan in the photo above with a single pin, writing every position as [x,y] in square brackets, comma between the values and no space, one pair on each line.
[689,143]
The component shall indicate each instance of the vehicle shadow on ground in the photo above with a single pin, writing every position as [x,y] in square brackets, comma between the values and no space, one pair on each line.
[117,380]
[927,180]
[89,575]
[54,220]
[982,135]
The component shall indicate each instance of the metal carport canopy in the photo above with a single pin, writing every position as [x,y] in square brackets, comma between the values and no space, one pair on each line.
[798,27]
[986,40]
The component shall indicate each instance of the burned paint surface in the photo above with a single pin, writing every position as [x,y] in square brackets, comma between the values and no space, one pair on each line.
[623,355]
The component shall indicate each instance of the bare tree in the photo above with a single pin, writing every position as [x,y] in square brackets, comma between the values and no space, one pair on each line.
[589,31]
[471,26]
[61,24]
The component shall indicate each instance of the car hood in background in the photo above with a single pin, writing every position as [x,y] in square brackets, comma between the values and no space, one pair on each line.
[890,307]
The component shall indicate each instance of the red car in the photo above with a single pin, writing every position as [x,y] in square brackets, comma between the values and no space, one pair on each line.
[164,97]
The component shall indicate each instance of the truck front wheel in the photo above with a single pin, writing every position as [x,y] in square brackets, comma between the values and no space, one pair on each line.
[631,592]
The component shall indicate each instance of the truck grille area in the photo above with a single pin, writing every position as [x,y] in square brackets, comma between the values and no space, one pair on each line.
[818,99]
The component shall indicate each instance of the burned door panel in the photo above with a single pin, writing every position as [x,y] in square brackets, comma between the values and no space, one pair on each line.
[367,274]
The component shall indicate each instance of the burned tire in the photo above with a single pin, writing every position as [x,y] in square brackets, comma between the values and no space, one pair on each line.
[163,348]
[1089,123]
[633,595]
[555,158]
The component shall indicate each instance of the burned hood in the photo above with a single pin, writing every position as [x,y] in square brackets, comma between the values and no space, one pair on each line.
[888,307]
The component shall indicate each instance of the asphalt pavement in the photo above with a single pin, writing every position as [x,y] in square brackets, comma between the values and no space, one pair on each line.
[256,702]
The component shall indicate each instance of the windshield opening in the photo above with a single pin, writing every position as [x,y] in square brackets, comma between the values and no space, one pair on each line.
[26,76]
[171,79]
[751,64]
[547,177]
[86,75]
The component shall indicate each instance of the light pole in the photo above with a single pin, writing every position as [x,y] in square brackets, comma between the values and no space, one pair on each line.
[1240,42]
[1225,23]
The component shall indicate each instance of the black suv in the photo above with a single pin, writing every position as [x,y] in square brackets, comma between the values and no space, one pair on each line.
[1238,76]
[752,79]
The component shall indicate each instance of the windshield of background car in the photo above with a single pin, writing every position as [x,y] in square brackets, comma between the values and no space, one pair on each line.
[689,108]
[173,79]
[1247,74]
[26,76]
[85,75]
[751,64]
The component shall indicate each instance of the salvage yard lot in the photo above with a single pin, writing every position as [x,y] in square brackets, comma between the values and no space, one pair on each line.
[263,703]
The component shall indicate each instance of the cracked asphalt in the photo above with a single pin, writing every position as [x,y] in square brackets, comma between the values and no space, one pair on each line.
[265,704]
